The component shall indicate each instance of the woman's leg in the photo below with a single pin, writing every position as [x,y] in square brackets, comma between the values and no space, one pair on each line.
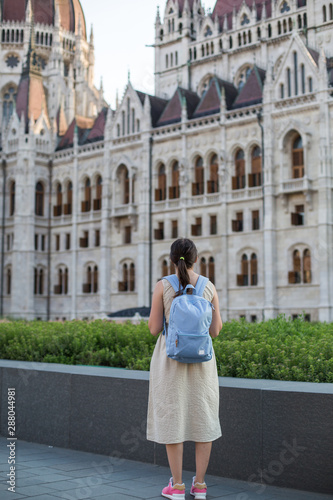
[202,455]
[175,457]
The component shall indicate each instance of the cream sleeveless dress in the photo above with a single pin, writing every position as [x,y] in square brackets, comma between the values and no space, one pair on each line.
[183,397]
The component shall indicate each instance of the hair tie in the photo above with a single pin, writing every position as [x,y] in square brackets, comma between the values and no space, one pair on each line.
[181,258]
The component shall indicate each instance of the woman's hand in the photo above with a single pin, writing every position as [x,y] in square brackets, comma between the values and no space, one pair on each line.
[155,322]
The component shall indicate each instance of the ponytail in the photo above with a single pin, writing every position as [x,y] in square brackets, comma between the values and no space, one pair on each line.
[183,254]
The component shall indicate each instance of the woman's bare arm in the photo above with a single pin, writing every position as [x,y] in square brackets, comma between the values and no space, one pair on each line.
[155,322]
[216,324]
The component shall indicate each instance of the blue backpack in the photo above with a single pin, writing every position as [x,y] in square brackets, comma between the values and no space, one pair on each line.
[187,336]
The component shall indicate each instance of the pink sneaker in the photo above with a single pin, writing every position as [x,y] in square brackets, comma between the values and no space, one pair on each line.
[199,490]
[175,492]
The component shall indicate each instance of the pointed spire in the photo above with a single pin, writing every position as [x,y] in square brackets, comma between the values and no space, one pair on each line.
[117,99]
[57,16]
[129,75]
[186,9]
[264,12]
[28,12]
[225,23]
[91,42]
[158,17]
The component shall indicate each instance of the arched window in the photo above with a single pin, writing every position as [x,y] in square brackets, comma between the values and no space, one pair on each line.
[295,73]
[230,42]
[244,38]
[212,47]
[299,21]
[306,266]
[173,25]
[310,84]
[194,53]
[180,29]
[284,26]
[207,49]
[202,51]
[297,158]
[190,54]
[269,31]
[165,268]
[69,195]
[238,181]
[213,182]
[290,24]
[254,270]
[161,35]
[249,36]
[324,14]
[98,199]
[258,33]
[132,278]
[12,198]
[160,192]
[62,287]
[294,276]
[281,90]
[66,281]
[174,188]
[38,281]
[221,44]
[171,59]
[9,281]
[198,184]
[243,278]
[42,38]
[303,78]
[331,11]
[203,266]
[167,61]
[39,199]
[305,20]
[95,280]
[239,39]
[279,27]
[123,285]
[176,58]
[57,209]
[86,203]
[289,82]
[8,99]
[169,26]
[126,181]
[211,269]
[255,176]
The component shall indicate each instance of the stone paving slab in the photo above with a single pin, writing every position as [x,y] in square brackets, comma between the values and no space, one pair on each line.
[47,473]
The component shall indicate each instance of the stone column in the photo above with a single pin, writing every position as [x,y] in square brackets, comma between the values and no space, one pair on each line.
[75,210]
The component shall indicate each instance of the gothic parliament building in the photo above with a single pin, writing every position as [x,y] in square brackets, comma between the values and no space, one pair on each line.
[234,151]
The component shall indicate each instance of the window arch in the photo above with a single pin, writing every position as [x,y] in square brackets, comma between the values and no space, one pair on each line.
[69,199]
[180,29]
[243,278]
[254,270]
[269,31]
[38,281]
[213,182]
[324,14]
[306,266]
[99,188]
[91,284]
[123,194]
[9,280]
[203,266]
[299,21]
[174,188]
[238,181]
[202,51]
[61,288]
[289,81]
[230,42]
[39,199]
[279,27]
[331,11]
[86,203]
[256,167]
[297,158]
[303,78]
[8,102]
[12,198]
[160,192]
[198,184]
[128,278]
[281,90]
[211,269]
[57,208]
[294,276]
[290,24]
[284,26]
[167,61]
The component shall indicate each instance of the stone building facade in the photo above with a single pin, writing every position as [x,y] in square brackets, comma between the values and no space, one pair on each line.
[233,151]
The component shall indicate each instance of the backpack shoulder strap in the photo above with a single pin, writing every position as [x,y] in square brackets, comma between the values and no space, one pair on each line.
[201,284]
[173,280]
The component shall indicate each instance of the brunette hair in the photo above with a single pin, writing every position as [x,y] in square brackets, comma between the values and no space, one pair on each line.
[183,253]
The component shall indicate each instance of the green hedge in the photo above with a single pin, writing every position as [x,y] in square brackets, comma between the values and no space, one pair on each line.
[277,349]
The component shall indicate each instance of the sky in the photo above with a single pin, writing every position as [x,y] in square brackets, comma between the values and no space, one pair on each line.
[122,31]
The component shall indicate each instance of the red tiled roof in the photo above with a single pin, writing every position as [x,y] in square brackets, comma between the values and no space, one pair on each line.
[97,132]
[225,7]
[251,93]
[70,12]
[173,110]
[211,101]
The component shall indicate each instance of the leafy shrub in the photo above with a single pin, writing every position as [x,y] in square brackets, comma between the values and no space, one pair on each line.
[277,349]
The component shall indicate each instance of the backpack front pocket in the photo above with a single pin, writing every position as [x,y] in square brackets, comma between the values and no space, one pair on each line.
[197,347]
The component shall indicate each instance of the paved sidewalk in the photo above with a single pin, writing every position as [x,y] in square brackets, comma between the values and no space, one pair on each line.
[46,473]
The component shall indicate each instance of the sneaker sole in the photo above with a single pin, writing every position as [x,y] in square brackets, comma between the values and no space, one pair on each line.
[175,496]
[199,496]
